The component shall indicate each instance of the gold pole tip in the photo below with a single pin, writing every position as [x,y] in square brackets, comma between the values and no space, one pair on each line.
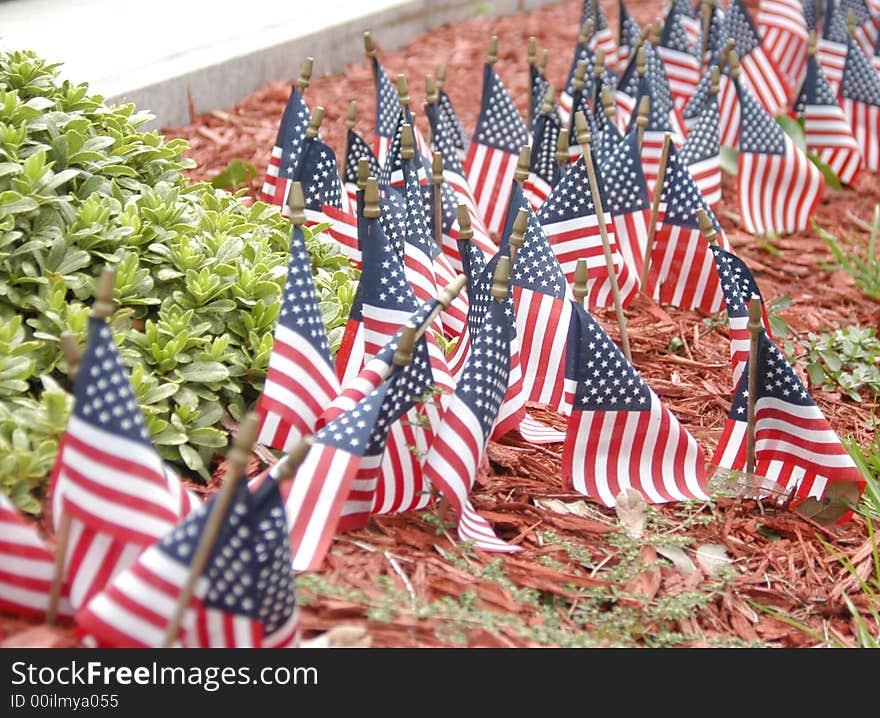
[104,306]
[501,278]
[369,45]
[562,147]
[451,291]
[518,231]
[465,232]
[315,122]
[580,73]
[351,115]
[296,201]
[549,100]
[243,441]
[532,52]
[363,172]
[582,128]
[305,75]
[407,142]
[586,31]
[432,96]
[580,281]
[437,168]
[441,77]
[492,56]
[521,174]
[71,352]
[371,198]
[599,62]
[403,90]
[706,226]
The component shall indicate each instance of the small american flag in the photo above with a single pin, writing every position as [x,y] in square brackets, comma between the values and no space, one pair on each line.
[544,170]
[494,150]
[628,36]
[785,36]
[301,380]
[831,47]
[691,22]
[567,102]
[326,199]
[796,450]
[387,111]
[108,477]
[458,446]
[826,127]
[288,145]
[760,74]
[460,136]
[541,308]
[356,148]
[627,200]
[778,187]
[867,23]
[682,273]
[602,36]
[27,565]
[679,58]
[728,107]
[701,152]
[739,286]
[619,434]
[860,99]
[569,219]
[245,598]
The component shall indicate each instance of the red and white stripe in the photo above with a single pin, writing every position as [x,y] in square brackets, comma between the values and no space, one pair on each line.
[513,408]
[785,36]
[864,121]
[402,485]
[451,465]
[728,113]
[535,432]
[631,237]
[270,182]
[682,72]
[830,137]
[490,173]
[766,81]
[707,175]
[605,39]
[831,56]
[381,146]
[454,319]
[27,565]
[624,106]
[542,327]
[299,385]
[350,356]
[682,272]
[796,450]
[693,30]
[380,325]
[865,35]
[778,193]
[536,189]
[343,228]
[608,451]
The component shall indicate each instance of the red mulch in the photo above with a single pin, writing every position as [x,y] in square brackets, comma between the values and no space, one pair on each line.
[778,555]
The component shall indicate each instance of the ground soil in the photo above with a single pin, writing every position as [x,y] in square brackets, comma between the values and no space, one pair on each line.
[780,556]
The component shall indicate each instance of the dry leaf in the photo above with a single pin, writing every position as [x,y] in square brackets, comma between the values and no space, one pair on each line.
[632,510]
[679,559]
[712,555]
[345,636]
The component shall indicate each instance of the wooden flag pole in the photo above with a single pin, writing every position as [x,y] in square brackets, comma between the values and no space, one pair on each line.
[580,282]
[584,140]
[655,209]
[754,326]
[315,122]
[523,163]
[607,100]
[102,308]
[290,462]
[542,64]
[369,46]
[437,181]
[441,78]
[725,53]
[237,459]
[598,71]
[707,229]
[465,234]
[501,279]
[407,142]
[492,55]
[305,76]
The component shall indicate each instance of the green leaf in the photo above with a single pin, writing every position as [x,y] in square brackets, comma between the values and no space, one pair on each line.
[831,178]
[237,173]
[816,373]
[832,361]
[793,129]
[208,436]
[13,203]
[205,372]
[730,160]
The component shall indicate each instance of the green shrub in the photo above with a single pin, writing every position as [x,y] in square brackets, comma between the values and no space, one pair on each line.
[198,274]
[847,359]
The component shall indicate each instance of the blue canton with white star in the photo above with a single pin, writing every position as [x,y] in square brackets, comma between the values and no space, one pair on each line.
[759,133]
[319,175]
[291,132]
[624,188]
[681,195]
[737,282]
[356,149]
[383,278]
[500,125]
[387,102]
[861,82]
[703,140]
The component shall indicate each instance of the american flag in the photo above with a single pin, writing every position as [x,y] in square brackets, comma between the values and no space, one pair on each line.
[627,200]
[460,138]
[245,598]
[785,36]
[627,37]
[701,152]
[389,477]
[443,139]
[27,564]
[760,74]
[356,147]
[796,451]
[831,47]
[494,150]
[537,90]
[606,137]
[691,21]
[540,300]
[860,99]
[717,35]
[569,219]
[602,36]
[778,187]
[679,58]
[544,170]
[108,478]
[826,127]
[301,380]
[326,200]
[458,446]
[285,154]
[875,58]
[619,434]
[867,23]
[682,272]
[567,100]
[387,111]
[728,106]
[739,286]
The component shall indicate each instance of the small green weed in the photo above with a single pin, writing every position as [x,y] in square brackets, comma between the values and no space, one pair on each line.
[862,265]
[847,359]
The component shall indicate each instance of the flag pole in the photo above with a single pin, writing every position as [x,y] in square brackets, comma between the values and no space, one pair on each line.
[465,234]
[655,209]
[437,181]
[562,148]
[584,140]
[492,54]
[598,71]
[237,457]
[102,308]
[580,282]
[608,105]
[517,232]
[707,229]
[305,75]
[441,77]
[754,326]
[501,279]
